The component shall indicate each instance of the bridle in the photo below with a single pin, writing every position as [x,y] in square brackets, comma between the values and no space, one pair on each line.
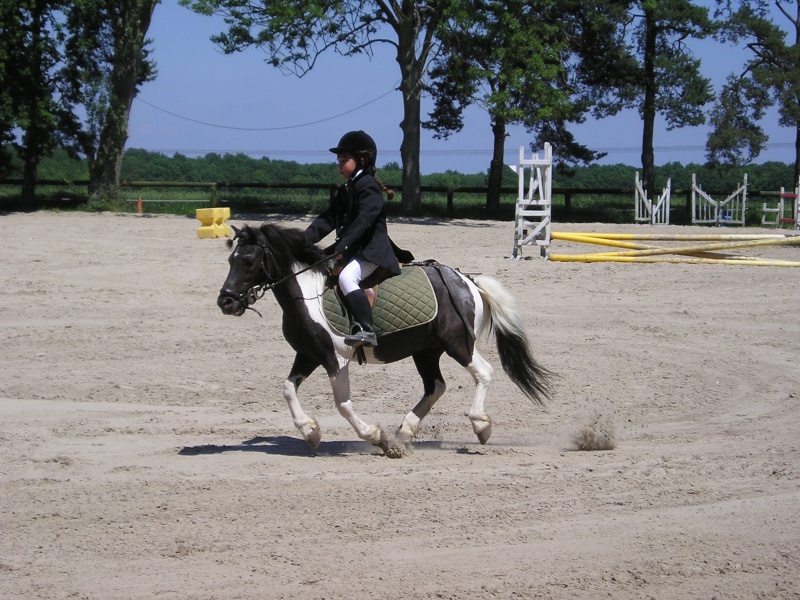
[257,291]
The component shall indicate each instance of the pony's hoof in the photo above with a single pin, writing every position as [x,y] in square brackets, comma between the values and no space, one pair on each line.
[484,435]
[396,451]
[383,442]
[483,429]
[314,438]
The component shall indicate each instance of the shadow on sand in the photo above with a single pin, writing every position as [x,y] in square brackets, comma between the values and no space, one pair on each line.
[290,446]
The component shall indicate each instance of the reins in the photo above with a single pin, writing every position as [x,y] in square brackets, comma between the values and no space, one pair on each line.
[257,291]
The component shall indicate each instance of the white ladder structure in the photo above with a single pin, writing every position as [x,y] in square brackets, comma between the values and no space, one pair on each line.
[532,215]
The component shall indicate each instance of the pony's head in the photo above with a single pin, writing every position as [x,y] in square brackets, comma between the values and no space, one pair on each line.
[262,256]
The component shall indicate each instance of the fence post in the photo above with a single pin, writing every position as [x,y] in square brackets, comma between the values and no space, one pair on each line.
[689,203]
[213,195]
[450,194]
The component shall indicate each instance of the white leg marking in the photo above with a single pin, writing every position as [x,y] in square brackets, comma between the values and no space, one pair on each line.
[341,395]
[307,426]
[481,372]
[408,430]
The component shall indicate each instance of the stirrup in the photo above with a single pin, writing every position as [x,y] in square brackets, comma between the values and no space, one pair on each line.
[359,337]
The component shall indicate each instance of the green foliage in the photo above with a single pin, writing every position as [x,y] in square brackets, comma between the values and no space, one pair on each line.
[143,165]
[68,73]
[667,79]
[106,46]
[771,77]
[736,138]
[37,93]
[63,167]
[154,167]
[543,64]
[507,56]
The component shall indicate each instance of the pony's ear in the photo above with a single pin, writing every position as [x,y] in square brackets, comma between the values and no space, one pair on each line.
[237,233]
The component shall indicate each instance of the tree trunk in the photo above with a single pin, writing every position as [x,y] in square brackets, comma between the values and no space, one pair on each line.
[797,154]
[496,168]
[411,68]
[34,140]
[131,27]
[28,192]
[409,153]
[649,106]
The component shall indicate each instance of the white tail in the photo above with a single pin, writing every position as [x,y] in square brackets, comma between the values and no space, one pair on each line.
[504,321]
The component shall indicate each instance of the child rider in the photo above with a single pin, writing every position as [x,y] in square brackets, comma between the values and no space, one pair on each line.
[362,241]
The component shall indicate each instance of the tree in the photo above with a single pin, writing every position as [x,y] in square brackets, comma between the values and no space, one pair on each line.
[56,56]
[669,80]
[736,138]
[107,46]
[504,56]
[37,96]
[294,34]
[771,77]
[539,63]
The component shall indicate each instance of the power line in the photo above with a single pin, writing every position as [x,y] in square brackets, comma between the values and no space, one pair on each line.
[461,152]
[297,126]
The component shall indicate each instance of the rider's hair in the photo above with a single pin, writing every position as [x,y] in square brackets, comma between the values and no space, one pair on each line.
[372,170]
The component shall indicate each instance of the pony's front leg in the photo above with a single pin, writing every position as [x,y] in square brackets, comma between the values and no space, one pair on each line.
[340,384]
[307,426]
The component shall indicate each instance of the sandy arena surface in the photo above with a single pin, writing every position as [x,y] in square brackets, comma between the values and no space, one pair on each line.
[146,451]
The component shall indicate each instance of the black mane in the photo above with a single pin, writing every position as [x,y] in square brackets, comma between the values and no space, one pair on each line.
[286,244]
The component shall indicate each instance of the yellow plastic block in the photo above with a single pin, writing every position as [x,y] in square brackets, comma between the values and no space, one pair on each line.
[213,222]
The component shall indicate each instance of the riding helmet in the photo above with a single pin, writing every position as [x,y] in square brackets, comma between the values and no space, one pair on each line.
[359,144]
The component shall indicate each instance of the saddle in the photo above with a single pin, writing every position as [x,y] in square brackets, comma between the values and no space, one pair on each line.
[399,302]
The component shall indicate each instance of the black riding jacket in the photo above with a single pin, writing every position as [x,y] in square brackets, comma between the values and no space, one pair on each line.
[356,214]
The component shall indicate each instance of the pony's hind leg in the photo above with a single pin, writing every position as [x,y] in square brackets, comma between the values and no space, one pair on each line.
[340,384]
[306,425]
[481,372]
[428,367]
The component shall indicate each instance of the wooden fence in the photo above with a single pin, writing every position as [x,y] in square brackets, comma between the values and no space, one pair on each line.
[67,199]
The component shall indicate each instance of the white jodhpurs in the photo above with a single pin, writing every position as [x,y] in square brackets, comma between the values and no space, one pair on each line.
[353,273]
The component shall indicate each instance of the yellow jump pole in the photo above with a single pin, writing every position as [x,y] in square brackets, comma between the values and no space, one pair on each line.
[672,259]
[677,237]
[706,247]
[602,241]
[582,238]
[698,251]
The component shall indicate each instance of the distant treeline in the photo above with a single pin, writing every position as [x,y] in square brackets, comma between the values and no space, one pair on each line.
[143,165]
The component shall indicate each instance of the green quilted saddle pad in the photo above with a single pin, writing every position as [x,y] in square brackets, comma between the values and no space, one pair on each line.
[405,300]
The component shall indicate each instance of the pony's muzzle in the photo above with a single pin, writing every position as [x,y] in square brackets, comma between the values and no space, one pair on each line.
[230,304]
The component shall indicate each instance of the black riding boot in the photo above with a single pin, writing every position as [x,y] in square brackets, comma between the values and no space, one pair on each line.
[362,312]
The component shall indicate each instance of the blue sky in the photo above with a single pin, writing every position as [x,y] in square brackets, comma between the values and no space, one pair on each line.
[204,101]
